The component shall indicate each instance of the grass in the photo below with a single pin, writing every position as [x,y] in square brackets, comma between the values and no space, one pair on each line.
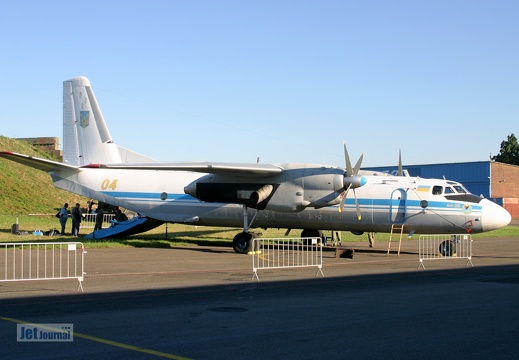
[164,236]
[28,191]
[172,235]
[508,231]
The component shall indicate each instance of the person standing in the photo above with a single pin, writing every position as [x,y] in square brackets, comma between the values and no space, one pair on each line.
[371,239]
[63,217]
[99,218]
[76,219]
[120,216]
[90,203]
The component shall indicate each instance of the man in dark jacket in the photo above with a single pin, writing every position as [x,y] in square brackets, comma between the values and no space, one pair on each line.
[77,215]
[99,218]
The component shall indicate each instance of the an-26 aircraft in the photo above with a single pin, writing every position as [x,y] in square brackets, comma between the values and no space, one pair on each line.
[293,196]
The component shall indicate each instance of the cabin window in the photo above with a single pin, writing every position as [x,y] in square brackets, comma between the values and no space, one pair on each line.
[448,190]
[460,189]
[437,190]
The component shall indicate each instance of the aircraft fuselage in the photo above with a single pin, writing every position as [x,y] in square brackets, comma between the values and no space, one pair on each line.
[384,201]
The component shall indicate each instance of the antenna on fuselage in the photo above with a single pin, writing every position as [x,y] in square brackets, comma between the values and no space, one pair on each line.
[400,169]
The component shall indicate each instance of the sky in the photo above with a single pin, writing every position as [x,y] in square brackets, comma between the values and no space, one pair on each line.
[282,81]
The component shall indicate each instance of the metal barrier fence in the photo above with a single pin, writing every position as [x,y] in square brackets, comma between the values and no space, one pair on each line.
[282,253]
[42,261]
[434,247]
[89,220]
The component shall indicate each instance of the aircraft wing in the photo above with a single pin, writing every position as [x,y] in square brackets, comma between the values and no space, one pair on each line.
[34,162]
[202,167]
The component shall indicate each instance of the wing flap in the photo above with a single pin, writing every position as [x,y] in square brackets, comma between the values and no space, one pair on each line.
[202,167]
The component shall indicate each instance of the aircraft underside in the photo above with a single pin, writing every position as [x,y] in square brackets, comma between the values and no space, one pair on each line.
[377,216]
[312,221]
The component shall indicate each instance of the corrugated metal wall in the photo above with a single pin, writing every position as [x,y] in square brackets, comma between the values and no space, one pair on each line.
[475,176]
[481,178]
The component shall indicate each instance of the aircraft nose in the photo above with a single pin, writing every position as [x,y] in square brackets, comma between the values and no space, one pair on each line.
[494,216]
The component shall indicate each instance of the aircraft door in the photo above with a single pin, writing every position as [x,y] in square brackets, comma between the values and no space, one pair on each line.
[397,206]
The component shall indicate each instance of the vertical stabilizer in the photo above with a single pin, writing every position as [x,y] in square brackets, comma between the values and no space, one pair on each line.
[86,139]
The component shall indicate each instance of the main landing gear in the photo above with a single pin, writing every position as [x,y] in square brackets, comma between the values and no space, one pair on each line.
[243,242]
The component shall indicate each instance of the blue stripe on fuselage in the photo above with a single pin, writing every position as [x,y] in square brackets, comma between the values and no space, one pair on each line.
[146,196]
[439,205]
[412,204]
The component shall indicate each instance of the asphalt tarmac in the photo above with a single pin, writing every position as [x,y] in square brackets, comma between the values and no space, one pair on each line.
[202,303]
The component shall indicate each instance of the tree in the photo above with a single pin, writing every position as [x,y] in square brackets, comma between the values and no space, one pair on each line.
[509,153]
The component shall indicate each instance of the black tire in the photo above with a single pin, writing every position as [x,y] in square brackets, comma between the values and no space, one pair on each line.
[311,234]
[447,248]
[242,242]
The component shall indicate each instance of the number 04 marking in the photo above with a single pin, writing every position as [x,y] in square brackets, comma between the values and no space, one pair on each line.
[109,184]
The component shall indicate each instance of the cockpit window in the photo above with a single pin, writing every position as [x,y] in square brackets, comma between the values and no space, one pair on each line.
[460,189]
[448,190]
[437,190]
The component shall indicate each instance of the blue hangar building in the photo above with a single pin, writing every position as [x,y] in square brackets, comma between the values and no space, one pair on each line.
[493,180]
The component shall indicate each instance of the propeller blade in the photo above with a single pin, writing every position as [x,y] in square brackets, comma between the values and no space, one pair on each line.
[357,165]
[353,180]
[343,199]
[341,205]
[349,169]
[359,216]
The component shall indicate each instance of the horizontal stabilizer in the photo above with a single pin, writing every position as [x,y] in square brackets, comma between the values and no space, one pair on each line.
[37,163]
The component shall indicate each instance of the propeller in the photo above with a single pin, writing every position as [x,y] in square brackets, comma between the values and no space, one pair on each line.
[352,180]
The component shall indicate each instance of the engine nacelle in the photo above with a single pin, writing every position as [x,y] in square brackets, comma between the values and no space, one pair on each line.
[354,181]
[258,196]
[294,190]
[250,194]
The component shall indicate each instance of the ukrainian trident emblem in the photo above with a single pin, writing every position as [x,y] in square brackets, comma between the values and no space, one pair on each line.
[84,118]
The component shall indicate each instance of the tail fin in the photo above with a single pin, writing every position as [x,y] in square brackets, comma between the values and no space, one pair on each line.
[86,139]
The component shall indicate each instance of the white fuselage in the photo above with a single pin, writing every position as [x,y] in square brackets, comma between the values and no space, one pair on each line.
[384,201]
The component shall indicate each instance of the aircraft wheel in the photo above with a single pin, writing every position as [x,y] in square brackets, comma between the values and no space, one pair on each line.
[311,234]
[242,243]
[447,248]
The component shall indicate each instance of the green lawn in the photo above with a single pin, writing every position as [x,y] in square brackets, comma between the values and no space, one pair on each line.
[170,235]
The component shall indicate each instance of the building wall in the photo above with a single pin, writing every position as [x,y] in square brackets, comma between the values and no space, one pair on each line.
[512,205]
[475,176]
[504,180]
[47,144]
[505,184]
